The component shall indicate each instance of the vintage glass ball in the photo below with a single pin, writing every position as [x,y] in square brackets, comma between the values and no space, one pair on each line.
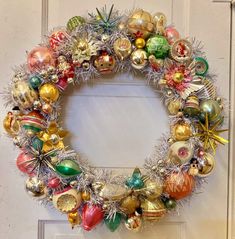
[201,66]
[170,204]
[181,131]
[206,165]
[57,38]
[133,223]
[158,46]
[39,58]
[211,108]
[35,82]
[122,47]
[140,24]
[180,152]
[152,189]
[171,35]
[74,22]
[105,63]
[139,59]
[140,42]
[179,185]
[35,187]
[129,204]
[174,106]
[23,95]
[49,93]
[47,108]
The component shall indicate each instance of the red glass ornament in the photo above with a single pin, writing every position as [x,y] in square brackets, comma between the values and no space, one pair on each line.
[179,185]
[53,182]
[91,216]
[23,165]
[56,38]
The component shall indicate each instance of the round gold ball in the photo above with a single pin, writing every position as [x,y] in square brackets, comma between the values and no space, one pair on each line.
[140,43]
[86,196]
[181,131]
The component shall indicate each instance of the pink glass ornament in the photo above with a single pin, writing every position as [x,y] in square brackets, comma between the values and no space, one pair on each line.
[53,182]
[171,34]
[23,165]
[39,58]
[91,216]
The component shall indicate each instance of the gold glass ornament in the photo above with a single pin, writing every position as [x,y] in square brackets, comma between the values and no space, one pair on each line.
[74,218]
[129,204]
[23,95]
[139,59]
[49,93]
[122,48]
[11,122]
[35,187]
[159,20]
[52,137]
[181,131]
[86,196]
[47,108]
[174,106]
[105,63]
[140,24]
[152,210]
[113,192]
[152,189]
[140,42]
[206,165]
[133,223]
[67,200]
[180,152]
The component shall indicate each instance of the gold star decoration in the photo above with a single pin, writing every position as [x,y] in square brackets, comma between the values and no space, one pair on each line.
[209,134]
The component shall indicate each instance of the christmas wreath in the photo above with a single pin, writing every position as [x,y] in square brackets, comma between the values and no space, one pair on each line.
[103,43]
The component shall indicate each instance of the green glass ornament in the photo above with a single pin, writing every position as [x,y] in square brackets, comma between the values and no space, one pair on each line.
[212,109]
[157,46]
[135,181]
[75,22]
[113,223]
[37,144]
[170,203]
[68,168]
[201,66]
[35,82]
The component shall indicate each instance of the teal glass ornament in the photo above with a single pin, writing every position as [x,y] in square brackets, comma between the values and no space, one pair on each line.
[158,46]
[37,144]
[201,66]
[35,82]
[113,223]
[135,181]
[68,168]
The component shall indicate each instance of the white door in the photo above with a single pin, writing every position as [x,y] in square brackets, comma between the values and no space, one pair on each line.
[102,128]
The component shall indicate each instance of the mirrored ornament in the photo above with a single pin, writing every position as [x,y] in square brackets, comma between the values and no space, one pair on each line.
[92,215]
[122,47]
[39,58]
[35,187]
[67,200]
[68,168]
[113,222]
[171,35]
[23,95]
[139,59]
[181,50]
[152,210]
[201,66]
[133,223]
[181,131]
[140,24]
[49,93]
[129,204]
[180,152]
[206,165]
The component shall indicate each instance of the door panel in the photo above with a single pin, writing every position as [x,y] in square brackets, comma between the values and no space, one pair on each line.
[116,121]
